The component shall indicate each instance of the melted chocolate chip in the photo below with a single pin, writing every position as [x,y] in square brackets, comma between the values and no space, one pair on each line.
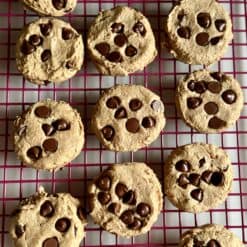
[202,162]
[104,182]
[46,28]
[204,19]
[132,125]
[104,197]
[47,209]
[217,76]
[202,39]
[61,125]
[129,197]
[113,102]
[114,57]
[19,230]
[229,96]
[130,51]
[183,166]
[63,225]
[114,208]
[156,105]
[213,243]
[50,145]
[206,176]
[35,40]
[216,123]
[121,189]
[136,225]
[108,132]
[194,179]
[211,108]
[120,40]
[183,181]
[117,28]
[127,217]
[135,104]
[67,33]
[197,194]
[34,153]
[120,113]
[220,25]
[143,209]
[50,242]
[148,122]
[139,28]
[103,48]
[193,102]
[81,213]
[59,4]
[215,40]
[214,87]
[200,87]
[27,48]
[42,111]
[45,55]
[218,179]
[48,129]
[184,32]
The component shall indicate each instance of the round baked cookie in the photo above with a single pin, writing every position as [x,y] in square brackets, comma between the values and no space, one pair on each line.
[48,135]
[121,41]
[51,7]
[198,31]
[209,102]
[49,50]
[128,117]
[198,177]
[126,199]
[210,235]
[48,220]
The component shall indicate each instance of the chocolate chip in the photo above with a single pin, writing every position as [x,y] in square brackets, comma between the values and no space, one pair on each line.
[114,57]
[197,194]
[191,85]
[136,225]
[202,162]
[35,40]
[67,33]
[46,82]
[120,113]
[200,87]
[211,108]
[42,111]
[113,102]
[27,48]
[48,129]
[19,230]
[202,39]
[135,104]
[50,145]
[204,19]
[143,209]
[216,123]
[193,102]
[215,40]
[194,179]
[103,48]
[108,132]
[47,209]
[214,87]
[229,96]
[217,179]
[45,55]
[220,25]
[114,208]
[45,28]
[132,125]
[104,197]
[139,28]
[180,16]
[61,125]
[213,243]
[34,153]
[63,225]
[183,166]
[130,51]
[59,4]
[127,217]
[183,181]
[81,213]
[148,122]
[156,105]
[117,28]
[206,176]
[120,40]
[184,32]
[129,197]
[217,76]
[198,243]
[121,189]
[104,182]
[50,242]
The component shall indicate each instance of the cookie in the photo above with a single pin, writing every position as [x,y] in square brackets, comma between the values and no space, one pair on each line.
[198,31]
[210,235]
[128,117]
[209,102]
[198,177]
[49,50]
[51,7]
[121,41]
[48,135]
[48,220]
[126,199]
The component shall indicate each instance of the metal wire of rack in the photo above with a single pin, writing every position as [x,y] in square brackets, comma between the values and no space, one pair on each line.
[82,91]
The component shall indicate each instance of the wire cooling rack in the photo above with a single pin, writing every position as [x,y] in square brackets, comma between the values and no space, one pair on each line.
[18,181]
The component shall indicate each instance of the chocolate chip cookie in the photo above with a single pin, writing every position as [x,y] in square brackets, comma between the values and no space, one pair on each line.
[48,135]
[210,236]
[126,199]
[198,177]
[198,31]
[51,7]
[128,117]
[49,50]
[48,221]
[121,41]
[209,102]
